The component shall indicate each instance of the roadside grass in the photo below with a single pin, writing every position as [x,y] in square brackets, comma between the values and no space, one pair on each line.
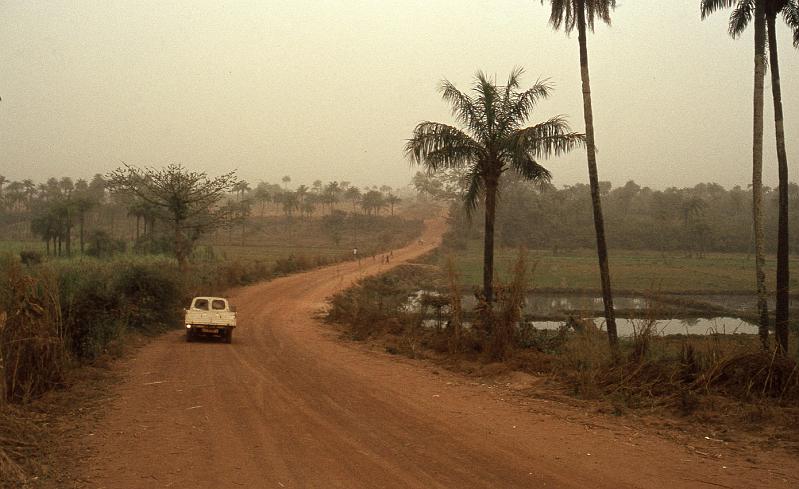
[669,272]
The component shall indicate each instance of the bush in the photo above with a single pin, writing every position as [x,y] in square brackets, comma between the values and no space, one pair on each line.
[29,257]
[151,295]
[89,308]
[102,245]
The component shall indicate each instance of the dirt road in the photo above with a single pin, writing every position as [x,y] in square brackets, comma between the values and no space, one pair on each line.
[290,405]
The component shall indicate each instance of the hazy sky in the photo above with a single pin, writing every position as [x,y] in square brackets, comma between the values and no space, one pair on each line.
[331,89]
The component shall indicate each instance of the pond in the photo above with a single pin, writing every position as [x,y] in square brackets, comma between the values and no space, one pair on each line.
[556,307]
[664,327]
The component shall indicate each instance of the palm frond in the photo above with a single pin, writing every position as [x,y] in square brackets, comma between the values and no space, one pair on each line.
[791,15]
[740,17]
[529,169]
[523,103]
[438,146]
[708,7]
[561,14]
[598,9]
[564,13]
[514,80]
[471,198]
[463,107]
[550,138]
[487,102]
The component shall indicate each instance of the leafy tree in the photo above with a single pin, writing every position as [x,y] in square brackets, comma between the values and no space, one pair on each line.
[582,15]
[493,140]
[373,201]
[29,191]
[46,225]
[392,200]
[188,198]
[83,202]
[308,206]
[291,203]
[353,195]
[330,195]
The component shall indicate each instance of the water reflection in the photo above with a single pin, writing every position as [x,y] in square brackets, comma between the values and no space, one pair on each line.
[694,326]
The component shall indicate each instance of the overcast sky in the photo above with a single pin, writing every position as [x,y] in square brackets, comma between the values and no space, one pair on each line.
[331,89]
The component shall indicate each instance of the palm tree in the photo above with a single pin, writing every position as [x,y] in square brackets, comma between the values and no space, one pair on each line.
[492,142]
[764,13]
[240,188]
[789,9]
[392,200]
[263,196]
[353,195]
[30,192]
[582,14]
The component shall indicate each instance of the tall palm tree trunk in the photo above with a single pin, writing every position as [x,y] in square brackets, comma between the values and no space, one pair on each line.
[757,172]
[782,315]
[488,244]
[599,224]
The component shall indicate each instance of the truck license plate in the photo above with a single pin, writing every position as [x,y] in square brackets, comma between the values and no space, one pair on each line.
[210,330]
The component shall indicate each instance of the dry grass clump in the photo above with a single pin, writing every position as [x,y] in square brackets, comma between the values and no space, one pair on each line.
[32,350]
[676,372]
[20,447]
[753,375]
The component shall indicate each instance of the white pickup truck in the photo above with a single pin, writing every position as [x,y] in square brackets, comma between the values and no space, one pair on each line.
[210,316]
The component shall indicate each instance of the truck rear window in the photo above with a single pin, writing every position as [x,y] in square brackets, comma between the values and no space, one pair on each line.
[201,304]
[218,305]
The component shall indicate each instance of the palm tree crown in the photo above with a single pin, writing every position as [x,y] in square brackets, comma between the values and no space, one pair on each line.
[744,11]
[564,13]
[493,139]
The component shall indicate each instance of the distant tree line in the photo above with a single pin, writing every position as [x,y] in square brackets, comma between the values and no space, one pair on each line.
[320,197]
[133,207]
[699,219]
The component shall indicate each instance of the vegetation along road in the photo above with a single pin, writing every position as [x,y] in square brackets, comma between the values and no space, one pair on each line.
[289,404]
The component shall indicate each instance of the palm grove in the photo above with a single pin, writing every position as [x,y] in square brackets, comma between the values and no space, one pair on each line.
[491,139]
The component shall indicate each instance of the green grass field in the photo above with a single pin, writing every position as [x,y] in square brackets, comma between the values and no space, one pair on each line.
[639,271]
[269,239]
[17,246]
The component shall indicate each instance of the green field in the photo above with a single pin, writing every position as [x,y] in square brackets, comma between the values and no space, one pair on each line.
[17,246]
[268,239]
[637,271]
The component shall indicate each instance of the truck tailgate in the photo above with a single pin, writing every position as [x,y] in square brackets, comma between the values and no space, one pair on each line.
[211,318]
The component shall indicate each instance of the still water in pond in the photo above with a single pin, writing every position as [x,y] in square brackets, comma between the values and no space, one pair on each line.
[561,305]
[699,326]
[662,327]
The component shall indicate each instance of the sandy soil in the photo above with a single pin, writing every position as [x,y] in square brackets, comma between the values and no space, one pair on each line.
[290,405]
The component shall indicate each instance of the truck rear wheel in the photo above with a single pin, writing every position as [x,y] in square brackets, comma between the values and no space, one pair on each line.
[189,335]
[229,336]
